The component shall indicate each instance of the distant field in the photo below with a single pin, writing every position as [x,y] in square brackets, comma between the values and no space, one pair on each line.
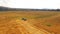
[29,22]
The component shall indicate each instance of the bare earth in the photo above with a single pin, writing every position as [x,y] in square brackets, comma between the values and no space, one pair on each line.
[37,22]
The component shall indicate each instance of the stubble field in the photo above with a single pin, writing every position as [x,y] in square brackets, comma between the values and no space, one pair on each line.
[30,22]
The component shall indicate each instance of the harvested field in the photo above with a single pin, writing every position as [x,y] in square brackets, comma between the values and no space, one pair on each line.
[29,22]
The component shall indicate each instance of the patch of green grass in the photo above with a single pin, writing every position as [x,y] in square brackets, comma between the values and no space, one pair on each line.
[48,24]
[25,19]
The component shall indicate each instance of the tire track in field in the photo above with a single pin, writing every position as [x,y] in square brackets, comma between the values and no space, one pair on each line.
[30,28]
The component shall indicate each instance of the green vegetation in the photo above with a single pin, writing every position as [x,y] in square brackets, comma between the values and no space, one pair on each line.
[48,24]
[24,19]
